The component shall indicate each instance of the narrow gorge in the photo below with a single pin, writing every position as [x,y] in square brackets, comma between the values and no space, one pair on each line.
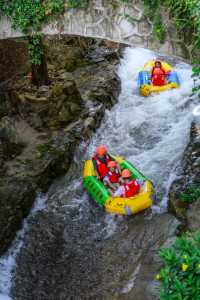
[55,241]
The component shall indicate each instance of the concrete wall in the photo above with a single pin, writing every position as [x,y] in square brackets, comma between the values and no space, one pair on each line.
[112,20]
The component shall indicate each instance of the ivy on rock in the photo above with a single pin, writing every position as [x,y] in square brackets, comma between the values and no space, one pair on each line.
[186,17]
[29,16]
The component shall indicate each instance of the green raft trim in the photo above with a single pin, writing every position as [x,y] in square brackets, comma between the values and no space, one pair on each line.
[97,189]
[135,173]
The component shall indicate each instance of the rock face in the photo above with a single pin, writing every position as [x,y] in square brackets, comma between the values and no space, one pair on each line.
[41,128]
[189,213]
[13,59]
[74,253]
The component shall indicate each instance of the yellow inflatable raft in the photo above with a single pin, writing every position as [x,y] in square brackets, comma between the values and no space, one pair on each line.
[144,79]
[118,205]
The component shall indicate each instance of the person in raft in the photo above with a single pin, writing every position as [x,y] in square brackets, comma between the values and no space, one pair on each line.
[129,187]
[105,165]
[100,161]
[158,74]
[113,176]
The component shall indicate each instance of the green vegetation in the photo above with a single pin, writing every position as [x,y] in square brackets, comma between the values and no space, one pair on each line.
[159,29]
[50,149]
[180,276]
[77,3]
[196,76]
[191,194]
[28,16]
[186,17]
[152,11]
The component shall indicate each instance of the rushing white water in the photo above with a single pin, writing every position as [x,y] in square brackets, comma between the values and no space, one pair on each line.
[7,261]
[150,132]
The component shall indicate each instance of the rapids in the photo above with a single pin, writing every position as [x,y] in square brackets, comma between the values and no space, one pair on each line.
[103,256]
[150,132]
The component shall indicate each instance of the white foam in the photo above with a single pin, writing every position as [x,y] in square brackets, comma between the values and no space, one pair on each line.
[131,282]
[8,260]
[4,297]
[150,132]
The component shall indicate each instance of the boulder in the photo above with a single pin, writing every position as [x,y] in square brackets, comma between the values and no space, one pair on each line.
[189,213]
[53,122]
[16,198]
[10,143]
[65,104]
[193,219]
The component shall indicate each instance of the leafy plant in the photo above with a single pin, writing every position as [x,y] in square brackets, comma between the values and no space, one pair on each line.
[186,17]
[77,3]
[196,76]
[180,276]
[191,194]
[29,16]
[159,29]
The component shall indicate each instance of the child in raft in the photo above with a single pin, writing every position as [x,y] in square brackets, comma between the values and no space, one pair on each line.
[119,184]
[107,169]
[158,74]
[113,177]
[129,186]
[100,160]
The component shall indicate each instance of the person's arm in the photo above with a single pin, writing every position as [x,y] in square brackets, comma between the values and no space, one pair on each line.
[119,192]
[95,168]
[152,73]
[119,168]
[110,156]
[109,183]
[94,164]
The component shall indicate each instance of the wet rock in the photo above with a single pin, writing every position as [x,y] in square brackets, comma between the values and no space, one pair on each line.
[175,205]
[16,198]
[51,122]
[66,56]
[190,176]
[78,253]
[33,98]
[10,143]
[43,89]
[65,104]
[192,215]
[5,105]
[13,58]
[89,123]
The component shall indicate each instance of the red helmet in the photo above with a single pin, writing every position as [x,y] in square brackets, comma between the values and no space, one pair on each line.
[101,150]
[126,173]
[112,164]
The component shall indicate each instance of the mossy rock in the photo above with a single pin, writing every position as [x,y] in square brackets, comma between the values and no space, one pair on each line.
[64,116]
[10,142]
[74,108]
[56,91]
[66,57]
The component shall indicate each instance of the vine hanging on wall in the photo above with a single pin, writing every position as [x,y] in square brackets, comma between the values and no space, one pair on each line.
[186,16]
[28,16]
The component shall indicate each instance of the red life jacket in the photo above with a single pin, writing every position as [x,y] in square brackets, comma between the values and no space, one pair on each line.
[102,168]
[158,76]
[114,176]
[131,188]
